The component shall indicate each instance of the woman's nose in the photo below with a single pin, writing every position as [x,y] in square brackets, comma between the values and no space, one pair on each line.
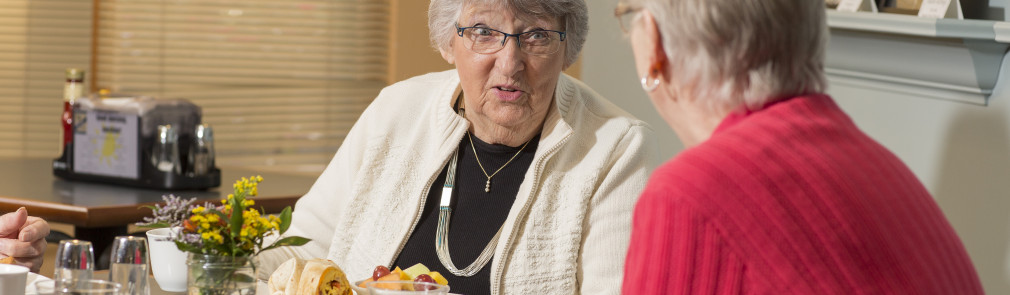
[511,59]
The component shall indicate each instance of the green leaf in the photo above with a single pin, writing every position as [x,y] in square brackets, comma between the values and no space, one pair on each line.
[187,247]
[285,217]
[236,217]
[154,225]
[289,241]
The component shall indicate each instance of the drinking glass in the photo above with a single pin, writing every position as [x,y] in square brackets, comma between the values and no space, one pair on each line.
[129,264]
[75,261]
[96,287]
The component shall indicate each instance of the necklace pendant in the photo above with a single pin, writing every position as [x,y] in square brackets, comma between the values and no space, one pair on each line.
[487,186]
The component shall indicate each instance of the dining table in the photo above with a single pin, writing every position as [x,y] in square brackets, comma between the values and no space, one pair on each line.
[99,212]
[152,285]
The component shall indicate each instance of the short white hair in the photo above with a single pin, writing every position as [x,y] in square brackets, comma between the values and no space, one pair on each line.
[743,52]
[443,16]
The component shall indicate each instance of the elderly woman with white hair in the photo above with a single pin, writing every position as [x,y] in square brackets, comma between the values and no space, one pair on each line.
[505,175]
[778,191]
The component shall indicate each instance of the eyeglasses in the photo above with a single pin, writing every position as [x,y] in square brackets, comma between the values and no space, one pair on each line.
[487,40]
[626,14]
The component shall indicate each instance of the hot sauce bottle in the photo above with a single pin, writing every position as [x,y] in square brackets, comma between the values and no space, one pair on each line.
[72,89]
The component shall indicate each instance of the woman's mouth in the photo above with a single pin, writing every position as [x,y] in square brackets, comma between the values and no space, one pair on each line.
[506,93]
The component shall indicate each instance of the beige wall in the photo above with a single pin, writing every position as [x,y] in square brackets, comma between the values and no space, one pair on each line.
[410,52]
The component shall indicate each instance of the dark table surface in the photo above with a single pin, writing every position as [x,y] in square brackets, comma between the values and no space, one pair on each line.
[29,182]
[99,212]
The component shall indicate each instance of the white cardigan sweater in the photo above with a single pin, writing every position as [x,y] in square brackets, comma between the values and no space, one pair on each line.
[566,233]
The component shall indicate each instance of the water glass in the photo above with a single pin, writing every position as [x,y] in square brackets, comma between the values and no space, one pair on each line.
[96,287]
[75,261]
[129,264]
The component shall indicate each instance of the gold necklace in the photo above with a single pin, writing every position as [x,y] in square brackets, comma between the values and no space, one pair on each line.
[487,186]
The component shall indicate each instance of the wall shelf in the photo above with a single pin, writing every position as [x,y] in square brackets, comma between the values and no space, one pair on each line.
[950,59]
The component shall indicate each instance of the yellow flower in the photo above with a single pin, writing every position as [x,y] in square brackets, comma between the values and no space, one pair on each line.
[214,227]
[212,237]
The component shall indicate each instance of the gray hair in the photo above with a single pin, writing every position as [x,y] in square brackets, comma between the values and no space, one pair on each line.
[573,14]
[743,53]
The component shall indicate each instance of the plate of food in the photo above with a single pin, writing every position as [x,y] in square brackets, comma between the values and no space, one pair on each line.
[320,276]
[417,279]
[314,276]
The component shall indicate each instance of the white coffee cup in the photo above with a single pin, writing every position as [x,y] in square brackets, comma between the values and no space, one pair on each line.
[167,262]
[13,279]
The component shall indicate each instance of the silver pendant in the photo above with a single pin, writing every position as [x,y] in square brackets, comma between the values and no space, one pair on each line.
[487,186]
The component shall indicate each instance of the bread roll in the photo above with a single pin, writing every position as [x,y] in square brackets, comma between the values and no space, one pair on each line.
[323,277]
[284,280]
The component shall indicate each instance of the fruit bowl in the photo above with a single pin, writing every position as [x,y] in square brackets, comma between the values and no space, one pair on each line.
[405,288]
[359,290]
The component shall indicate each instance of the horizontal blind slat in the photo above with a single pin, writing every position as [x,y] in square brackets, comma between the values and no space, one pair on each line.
[280,82]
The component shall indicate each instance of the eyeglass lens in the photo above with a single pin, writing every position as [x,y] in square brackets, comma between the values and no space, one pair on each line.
[625,16]
[486,40]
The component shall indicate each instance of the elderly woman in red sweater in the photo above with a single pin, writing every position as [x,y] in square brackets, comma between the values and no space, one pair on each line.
[778,191]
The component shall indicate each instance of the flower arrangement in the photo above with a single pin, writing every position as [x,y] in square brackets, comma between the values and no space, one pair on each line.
[222,239]
[233,228]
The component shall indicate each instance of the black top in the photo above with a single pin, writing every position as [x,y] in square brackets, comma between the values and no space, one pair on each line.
[476,215]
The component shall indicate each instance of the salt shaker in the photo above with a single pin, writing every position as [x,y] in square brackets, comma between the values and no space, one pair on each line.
[165,152]
[201,154]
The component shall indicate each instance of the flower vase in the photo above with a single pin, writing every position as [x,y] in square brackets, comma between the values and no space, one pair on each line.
[221,275]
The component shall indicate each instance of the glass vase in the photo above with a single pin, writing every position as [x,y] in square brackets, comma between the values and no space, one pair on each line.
[220,275]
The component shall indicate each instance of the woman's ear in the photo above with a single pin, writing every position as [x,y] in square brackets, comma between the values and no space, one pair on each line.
[447,55]
[658,61]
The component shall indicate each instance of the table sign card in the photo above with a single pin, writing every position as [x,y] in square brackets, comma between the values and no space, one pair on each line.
[857,5]
[107,144]
[941,9]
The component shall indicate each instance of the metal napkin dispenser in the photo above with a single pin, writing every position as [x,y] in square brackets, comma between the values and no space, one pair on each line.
[141,142]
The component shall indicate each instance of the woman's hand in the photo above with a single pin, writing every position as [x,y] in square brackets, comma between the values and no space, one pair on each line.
[23,237]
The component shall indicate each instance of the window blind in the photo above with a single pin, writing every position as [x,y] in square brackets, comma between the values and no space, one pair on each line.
[281,82]
[39,39]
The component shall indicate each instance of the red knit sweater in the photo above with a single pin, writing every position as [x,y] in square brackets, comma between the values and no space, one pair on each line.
[792,199]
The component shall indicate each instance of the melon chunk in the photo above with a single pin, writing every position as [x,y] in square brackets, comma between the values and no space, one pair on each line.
[416,270]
